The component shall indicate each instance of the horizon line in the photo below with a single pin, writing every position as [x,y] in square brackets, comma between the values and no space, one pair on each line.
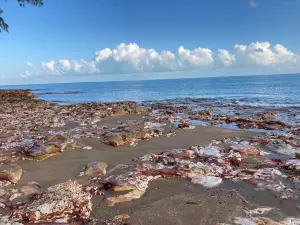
[180,78]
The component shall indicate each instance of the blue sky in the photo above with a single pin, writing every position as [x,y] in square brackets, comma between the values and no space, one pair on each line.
[90,40]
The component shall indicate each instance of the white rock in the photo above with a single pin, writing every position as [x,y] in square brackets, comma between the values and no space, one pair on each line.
[212,151]
[259,211]
[46,208]
[293,164]
[291,221]
[244,221]
[284,149]
[241,145]
[207,181]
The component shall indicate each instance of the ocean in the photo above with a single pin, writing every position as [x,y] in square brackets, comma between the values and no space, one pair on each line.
[266,91]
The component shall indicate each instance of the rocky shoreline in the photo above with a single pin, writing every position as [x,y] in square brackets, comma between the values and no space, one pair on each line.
[34,130]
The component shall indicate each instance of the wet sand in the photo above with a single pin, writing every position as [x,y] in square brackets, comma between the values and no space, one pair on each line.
[173,201]
[167,201]
[177,201]
[68,165]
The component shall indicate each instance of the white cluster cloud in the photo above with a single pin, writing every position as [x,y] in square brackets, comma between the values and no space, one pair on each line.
[131,58]
[49,66]
[77,66]
[199,57]
[69,66]
[261,54]
[226,58]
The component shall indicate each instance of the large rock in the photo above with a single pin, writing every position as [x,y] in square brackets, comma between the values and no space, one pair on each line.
[58,203]
[43,153]
[16,94]
[267,115]
[134,184]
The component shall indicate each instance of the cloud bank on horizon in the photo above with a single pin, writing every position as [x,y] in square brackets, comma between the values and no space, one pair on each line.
[131,58]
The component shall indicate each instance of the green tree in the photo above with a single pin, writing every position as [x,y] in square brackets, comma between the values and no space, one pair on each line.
[4,26]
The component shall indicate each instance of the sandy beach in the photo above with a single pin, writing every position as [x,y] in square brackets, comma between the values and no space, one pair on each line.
[154,156]
[68,165]
[173,201]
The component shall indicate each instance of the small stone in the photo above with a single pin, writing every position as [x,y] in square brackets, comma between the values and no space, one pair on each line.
[2,192]
[293,164]
[185,126]
[11,172]
[114,140]
[31,189]
[94,169]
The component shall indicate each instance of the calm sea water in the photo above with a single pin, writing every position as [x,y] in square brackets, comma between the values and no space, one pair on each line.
[271,90]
